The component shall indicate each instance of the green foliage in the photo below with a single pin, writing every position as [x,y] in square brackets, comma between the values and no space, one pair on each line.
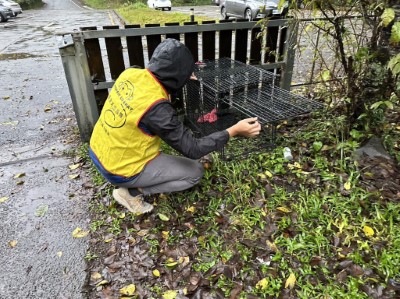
[387,16]
[27,4]
[190,2]
[394,65]
[137,5]
[395,37]
[365,50]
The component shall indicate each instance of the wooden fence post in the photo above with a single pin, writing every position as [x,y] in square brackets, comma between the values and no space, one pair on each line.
[75,65]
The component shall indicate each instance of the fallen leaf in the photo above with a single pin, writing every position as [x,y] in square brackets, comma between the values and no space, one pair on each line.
[3,199]
[101,283]
[47,108]
[283,209]
[268,173]
[272,246]
[325,148]
[291,281]
[262,284]
[59,254]
[162,196]
[6,97]
[183,259]
[95,276]
[170,263]
[19,175]
[142,232]
[171,294]
[165,235]
[156,273]
[297,165]
[20,182]
[128,290]
[347,186]
[163,217]
[201,239]
[10,123]
[261,175]
[73,176]
[189,225]
[191,209]
[107,240]
[12,243]
[41,210]
[74,166]
[368,231]
[79,233]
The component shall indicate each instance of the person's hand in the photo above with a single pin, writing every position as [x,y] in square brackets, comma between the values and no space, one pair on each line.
[193,76]
[248,127]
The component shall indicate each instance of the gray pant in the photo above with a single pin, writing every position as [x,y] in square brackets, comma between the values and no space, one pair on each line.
[166,174]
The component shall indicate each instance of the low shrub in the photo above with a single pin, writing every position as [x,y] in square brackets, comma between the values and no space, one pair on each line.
[27,4]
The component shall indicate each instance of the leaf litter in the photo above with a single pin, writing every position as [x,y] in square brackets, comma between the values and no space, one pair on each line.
[192,247]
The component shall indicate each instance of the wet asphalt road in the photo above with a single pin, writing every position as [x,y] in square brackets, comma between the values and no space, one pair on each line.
[39,210]
[40,205]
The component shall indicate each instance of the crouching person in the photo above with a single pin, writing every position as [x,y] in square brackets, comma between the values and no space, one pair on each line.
[137,115]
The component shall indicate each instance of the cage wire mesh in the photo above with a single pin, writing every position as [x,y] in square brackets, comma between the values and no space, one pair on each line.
[226,91]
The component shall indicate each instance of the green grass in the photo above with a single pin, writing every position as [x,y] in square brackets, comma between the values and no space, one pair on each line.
[265,218]
[141,14]
[113,4]
[308,226]
[104,4]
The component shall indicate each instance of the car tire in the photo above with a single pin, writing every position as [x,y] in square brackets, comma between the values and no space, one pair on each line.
[169,8]
[2,19]
[223,13]
[248,15]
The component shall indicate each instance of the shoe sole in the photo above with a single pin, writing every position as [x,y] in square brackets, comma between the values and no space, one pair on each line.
[123,202]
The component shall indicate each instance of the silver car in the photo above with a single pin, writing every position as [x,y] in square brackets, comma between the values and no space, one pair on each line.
[5,13]
[14,6]
[250,9]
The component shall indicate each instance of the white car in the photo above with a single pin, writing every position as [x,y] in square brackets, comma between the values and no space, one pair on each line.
[159,4]
[13,5]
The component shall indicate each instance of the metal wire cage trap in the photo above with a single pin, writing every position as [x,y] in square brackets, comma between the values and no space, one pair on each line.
[226,91]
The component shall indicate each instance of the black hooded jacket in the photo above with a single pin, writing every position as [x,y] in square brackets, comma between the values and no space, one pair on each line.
[172,64]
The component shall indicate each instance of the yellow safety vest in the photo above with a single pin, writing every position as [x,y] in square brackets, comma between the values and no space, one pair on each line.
[118,142]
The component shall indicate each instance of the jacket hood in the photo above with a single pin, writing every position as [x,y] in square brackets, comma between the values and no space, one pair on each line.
[172,64]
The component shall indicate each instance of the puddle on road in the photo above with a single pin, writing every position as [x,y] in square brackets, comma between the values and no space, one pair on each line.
[16,56]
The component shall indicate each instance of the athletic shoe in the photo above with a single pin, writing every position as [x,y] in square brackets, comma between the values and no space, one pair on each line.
[134,204]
